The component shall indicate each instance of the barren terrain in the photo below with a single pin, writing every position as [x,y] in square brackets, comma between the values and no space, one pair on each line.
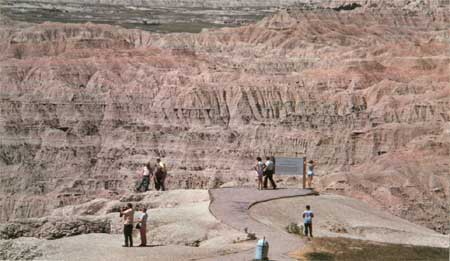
[339,216]
[364,92]
[180,227]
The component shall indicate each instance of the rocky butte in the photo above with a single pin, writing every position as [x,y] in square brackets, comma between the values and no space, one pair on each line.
[364,93]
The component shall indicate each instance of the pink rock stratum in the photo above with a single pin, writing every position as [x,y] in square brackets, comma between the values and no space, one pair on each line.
[367,95]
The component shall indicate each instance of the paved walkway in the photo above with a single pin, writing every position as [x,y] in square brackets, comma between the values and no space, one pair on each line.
[231,206]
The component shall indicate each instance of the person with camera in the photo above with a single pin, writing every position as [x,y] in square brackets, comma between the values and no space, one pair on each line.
[128,215]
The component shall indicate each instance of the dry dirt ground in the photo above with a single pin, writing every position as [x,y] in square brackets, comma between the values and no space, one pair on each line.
[182,227]
[107,247]
[339,216]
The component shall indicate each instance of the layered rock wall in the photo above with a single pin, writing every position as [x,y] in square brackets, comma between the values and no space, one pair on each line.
[364,94]
[339,4]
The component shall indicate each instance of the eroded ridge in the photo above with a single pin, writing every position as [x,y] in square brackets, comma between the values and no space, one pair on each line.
[366,94]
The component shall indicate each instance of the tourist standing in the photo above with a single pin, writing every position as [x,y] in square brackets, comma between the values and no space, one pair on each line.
[310,172]
[269,169]
[146,173]
[143,227]
[128,216]
[307,220]
[259,167]
[160,174]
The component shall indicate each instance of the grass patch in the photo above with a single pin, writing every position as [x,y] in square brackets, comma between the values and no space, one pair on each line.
[339,249]
[323,256]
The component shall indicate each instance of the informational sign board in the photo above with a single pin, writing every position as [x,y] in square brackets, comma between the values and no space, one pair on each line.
[289,166]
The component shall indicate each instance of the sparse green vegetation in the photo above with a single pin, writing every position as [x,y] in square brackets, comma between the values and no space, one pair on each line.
[337,249]
[295,229]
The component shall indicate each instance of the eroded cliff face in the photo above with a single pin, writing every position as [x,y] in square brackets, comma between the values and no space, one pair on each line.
[341,4]
[367,95]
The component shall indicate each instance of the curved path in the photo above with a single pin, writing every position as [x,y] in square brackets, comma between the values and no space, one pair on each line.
[231,206]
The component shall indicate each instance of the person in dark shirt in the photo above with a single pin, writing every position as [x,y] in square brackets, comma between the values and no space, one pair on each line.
[269,170]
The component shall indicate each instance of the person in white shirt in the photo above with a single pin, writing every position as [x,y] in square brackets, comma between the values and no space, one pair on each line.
[307,220]
[143,227]
[310,172]
[146,175]
[259,167]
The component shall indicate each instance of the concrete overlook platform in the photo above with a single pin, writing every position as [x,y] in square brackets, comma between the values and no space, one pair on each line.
[231,206]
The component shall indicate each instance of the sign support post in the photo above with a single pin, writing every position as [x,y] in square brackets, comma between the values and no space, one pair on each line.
[304,173]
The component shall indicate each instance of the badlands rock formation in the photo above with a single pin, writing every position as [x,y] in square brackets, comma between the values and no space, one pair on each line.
[346,4]
[366,94]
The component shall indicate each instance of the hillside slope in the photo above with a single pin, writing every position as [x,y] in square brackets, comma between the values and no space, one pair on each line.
[367,95]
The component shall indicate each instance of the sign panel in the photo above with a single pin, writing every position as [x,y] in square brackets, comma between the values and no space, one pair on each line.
[289,166]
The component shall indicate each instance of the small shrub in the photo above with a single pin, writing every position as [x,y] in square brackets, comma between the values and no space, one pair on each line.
[293,228]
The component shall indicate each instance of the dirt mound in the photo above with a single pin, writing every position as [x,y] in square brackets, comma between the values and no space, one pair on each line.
[338,216]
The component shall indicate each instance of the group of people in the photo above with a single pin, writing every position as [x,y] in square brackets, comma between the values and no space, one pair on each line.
[159,174]
[128,225]
[128,214]
[266,170]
